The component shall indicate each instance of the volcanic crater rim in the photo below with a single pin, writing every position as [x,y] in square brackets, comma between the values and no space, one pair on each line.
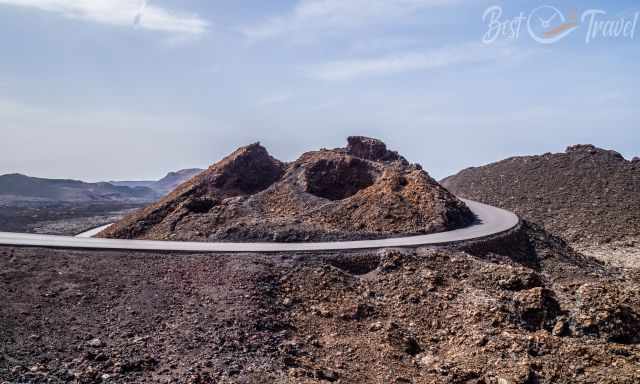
[339,179]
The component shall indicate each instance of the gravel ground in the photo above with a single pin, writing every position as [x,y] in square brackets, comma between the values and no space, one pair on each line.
[520,310]
[74,226]
[624,254]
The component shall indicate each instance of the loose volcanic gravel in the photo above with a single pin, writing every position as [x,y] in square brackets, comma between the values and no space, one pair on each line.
[521,309]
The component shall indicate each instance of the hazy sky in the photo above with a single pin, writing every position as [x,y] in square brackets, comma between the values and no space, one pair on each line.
[123,89]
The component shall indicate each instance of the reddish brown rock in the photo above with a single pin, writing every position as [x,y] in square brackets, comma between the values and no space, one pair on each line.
[605,311]
[363,191]
[370,149]
[248,170]
[537,308]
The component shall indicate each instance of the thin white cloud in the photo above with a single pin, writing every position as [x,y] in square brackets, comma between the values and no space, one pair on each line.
[324,14]
[410,61]
[120,13]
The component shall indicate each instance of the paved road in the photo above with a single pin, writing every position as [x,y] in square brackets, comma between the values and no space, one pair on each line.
[89,234]
[491,221]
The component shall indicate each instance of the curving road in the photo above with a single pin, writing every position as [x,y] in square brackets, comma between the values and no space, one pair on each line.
[491,221]
[92,232]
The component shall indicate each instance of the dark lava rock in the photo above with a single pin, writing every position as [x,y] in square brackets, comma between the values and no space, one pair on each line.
[327,375]
[604,313]
[402,339]
[370,149]
[537,308]
[588,195]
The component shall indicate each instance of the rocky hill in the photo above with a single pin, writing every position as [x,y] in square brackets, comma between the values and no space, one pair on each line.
[362,191]
[587,194]
[16,187]
[164,185]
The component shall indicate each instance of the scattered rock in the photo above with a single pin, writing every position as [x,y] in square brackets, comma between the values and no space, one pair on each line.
[601,313]
[95,343]
[537,308]
[392,259]
[374,327]
[402,339]
[358,311]
[17,369]
[429,361]
[561,328]
[327,375]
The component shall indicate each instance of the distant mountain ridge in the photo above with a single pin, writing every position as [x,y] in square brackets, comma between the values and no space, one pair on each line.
[164,185]
[17,187]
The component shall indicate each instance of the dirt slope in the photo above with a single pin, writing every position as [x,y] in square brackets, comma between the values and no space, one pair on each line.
[587,194]
[362,191]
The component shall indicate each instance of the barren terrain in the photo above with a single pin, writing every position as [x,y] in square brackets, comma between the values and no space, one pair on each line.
[588,195]
[60,218]
[522,308]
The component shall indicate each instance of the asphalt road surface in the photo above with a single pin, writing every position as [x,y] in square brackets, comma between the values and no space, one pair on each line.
[490,221]
[90,233]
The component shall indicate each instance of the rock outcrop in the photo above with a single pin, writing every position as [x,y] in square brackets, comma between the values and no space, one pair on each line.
[370,149]
[362,191]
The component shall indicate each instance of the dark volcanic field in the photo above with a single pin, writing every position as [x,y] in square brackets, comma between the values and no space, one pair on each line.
[523,309]
[60,218]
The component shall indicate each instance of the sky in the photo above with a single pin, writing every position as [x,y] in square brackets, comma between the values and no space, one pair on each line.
[131,89]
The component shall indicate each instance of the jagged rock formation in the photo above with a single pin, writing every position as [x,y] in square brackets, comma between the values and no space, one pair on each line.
[587,194]
[362,191]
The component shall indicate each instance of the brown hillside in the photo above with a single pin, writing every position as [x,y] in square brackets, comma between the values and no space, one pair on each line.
[359,192]
[587,194]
